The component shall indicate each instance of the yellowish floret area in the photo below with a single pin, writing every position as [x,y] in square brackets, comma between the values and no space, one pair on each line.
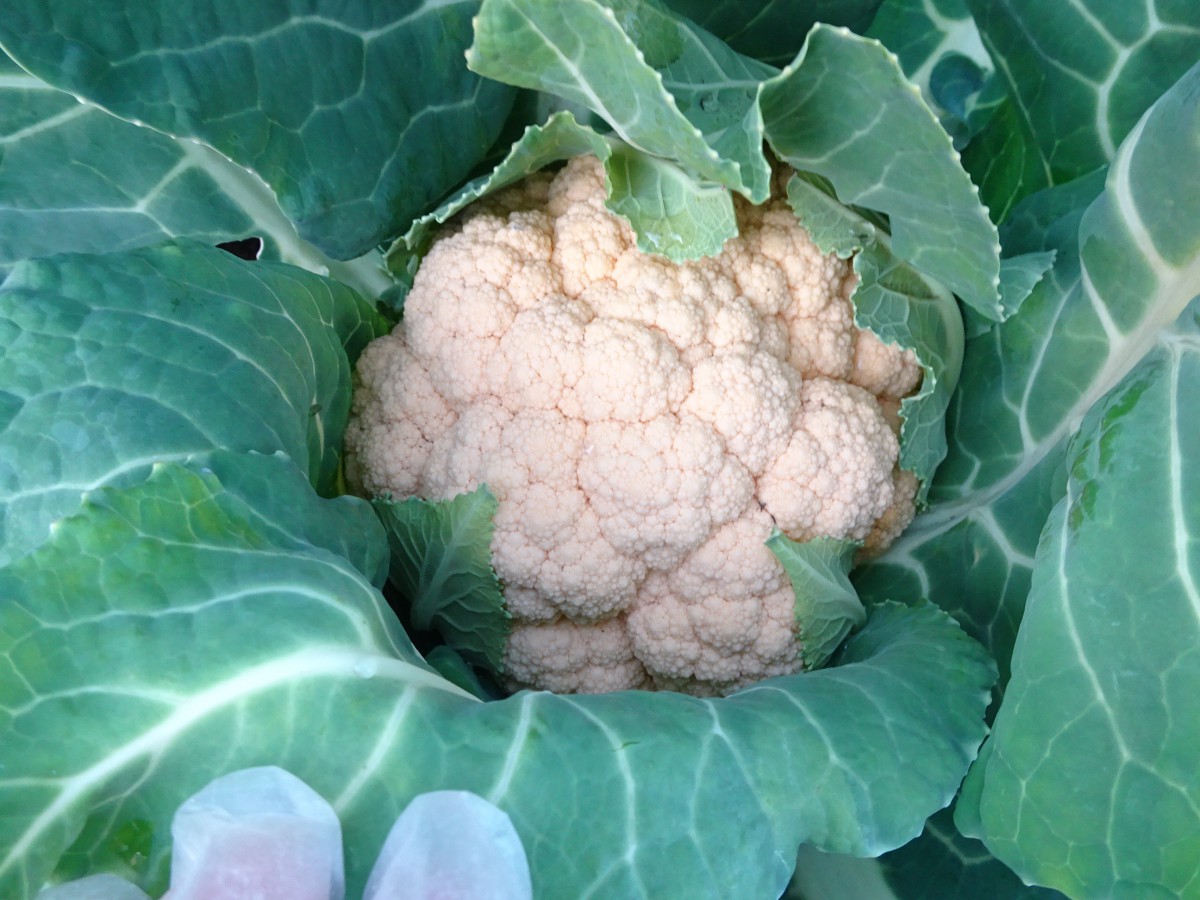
[645,426]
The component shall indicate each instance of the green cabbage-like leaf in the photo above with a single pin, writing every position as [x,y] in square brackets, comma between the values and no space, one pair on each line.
[827,606]
[190,634]
[111,189]
[879,145]
[1019,275]
[75,179]
[1107,669]
[114,362]
[1082,73]
[941,52]
[1004,162]
[939,865]
[671,214]
[559,137]
[359,114]
[1027,383]
[773,30]
[666,88]
[442,566]
[1078,76]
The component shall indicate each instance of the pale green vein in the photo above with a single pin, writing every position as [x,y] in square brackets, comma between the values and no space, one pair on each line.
[307,664]
[48,124]
[1072,628]
[375,760]
[512,759]
[1177,478]
[631,828]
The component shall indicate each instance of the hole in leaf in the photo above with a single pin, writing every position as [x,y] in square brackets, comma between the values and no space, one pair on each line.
[248,249]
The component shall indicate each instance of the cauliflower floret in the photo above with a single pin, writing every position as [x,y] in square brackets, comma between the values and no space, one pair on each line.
[835,477]
[751,399]
[682,628]
[645,425]
[570,659]
[483,282]
[404,417]
[630,373]
[659,487]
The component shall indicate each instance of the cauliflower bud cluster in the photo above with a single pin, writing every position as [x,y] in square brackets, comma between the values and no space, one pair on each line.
[645,425]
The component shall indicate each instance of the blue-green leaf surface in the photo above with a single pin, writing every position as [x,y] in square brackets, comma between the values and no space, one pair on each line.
[878,144]
[1111,579]
[773,30]
[74,179]
[140,639]
[1082,73]
[1019,275]
[666,88]
[441,564]
[941,52]
[670,212]
[172,631]
[1089,785]
[939,865]
[359,114]
[114,362]
[827,607]
[1004,161]
[559,137]
[1124,270]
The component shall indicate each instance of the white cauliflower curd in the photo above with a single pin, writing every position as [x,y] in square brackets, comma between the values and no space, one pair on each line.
[645,425]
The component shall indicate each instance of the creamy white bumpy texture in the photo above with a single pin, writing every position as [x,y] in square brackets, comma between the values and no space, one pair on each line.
[645,426]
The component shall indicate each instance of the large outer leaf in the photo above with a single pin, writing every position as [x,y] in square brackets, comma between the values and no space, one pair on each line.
[1004,162]
[159,609]
[1080,75]
[1090,783]
[114,362]
[358,114]
[973,549]
[1112,581]
[773,30]
[941,51]
[74,179]
[172,631]
[939,865]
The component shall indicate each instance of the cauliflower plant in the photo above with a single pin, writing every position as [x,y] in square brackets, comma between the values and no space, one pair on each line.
[645,426]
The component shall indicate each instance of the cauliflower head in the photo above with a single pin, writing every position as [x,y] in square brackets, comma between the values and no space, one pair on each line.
[645,426]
